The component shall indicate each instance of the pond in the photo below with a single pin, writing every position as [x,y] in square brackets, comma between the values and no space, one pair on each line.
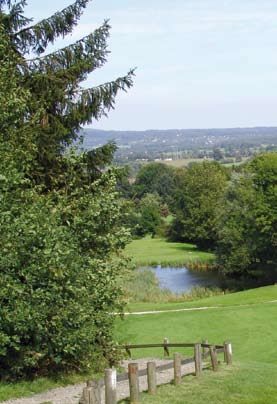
[182,279]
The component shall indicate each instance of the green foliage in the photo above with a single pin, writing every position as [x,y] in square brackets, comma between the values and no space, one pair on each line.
[150,216]
[155,178]
[145,215]
[151,199]
[196,199]
[61,237]
[58,105]
[59,277]
[248,222]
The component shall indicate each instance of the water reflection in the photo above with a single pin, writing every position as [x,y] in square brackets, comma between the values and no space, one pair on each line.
[182,279]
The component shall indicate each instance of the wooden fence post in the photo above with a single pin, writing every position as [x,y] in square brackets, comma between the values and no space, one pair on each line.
[214,360]
[151,378]
[85,396]
[205,349]
[92,393]
[177,368]
[110,386]
[166,351]
[198,359]
[133,383]
[228,355]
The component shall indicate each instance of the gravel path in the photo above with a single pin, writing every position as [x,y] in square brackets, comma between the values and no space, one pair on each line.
[138,313]
[134,313]
[72,394]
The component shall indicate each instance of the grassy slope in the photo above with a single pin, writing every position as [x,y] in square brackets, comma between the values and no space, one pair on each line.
[252,330]
[252,296]
[148,251]
[239,384]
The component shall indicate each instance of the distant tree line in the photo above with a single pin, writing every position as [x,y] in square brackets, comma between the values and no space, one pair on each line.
[225,153]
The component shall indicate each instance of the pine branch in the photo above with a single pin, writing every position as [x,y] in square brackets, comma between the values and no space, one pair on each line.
[77,59]
[97,159]
[8,3]
[38,36]
[15,19]
[95,102]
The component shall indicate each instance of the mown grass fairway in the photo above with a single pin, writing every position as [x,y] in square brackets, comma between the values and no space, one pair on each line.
[252,330]
[149,251]
[247,319]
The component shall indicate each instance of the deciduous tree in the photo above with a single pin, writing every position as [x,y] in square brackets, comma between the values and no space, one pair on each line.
[201,187]
[247,229]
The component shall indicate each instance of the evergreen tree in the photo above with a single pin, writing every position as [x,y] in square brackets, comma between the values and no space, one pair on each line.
[58,105]
[61,234]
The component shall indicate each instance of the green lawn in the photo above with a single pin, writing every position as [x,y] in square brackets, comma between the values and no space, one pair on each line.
[250,327]
[240,384]
[252,330]
[149,251]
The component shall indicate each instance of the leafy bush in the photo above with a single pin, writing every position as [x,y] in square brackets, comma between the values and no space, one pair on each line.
[59,277]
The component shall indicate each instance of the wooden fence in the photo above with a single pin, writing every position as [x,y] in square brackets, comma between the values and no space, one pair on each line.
[106,390]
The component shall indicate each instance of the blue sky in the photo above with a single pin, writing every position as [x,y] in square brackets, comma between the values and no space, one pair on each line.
[200,63]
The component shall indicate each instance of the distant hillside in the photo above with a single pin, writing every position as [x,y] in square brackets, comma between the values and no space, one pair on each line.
[154,143]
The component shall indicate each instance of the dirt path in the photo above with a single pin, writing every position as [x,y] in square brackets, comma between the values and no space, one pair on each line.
[139,313]
[72,394]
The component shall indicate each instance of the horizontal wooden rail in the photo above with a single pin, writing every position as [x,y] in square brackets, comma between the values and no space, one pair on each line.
[94,392]
[169,345]
[166,345]
[143,372]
